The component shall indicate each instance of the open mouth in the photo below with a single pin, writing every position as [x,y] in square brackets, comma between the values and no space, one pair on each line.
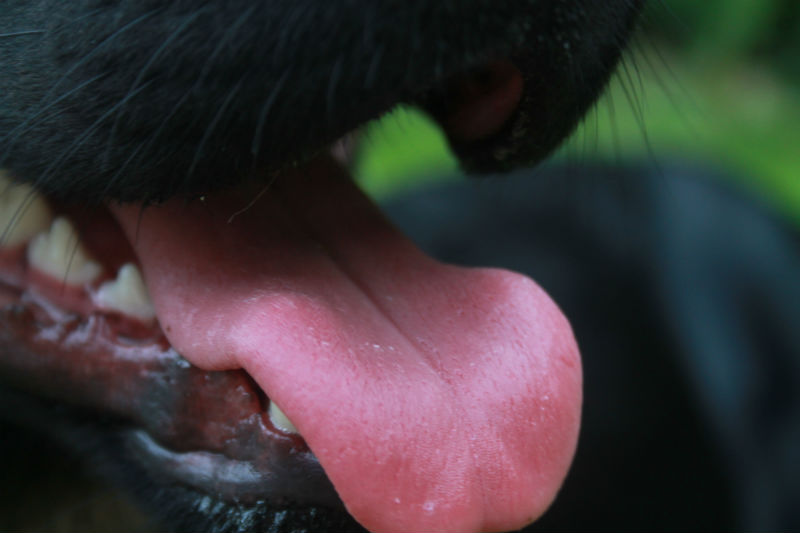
[280,341]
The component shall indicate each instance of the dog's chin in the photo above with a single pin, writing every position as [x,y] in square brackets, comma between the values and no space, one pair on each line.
[280,344]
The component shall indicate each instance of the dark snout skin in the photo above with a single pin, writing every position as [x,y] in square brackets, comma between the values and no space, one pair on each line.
[138,101]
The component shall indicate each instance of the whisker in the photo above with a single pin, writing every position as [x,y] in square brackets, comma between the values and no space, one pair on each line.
[47,100]
[255,199]
[262,115]
[14,134]
[78,142]
[142,73]
[153,138]
[97,49]
[212,126]
[21,33]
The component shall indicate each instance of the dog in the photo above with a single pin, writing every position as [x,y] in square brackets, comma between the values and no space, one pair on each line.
[184,262]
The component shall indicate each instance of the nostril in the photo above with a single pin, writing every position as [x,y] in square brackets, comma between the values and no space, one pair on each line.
[479,103]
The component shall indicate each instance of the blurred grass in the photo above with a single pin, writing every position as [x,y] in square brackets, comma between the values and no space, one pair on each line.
[403,149]
[718,86]
[739,117]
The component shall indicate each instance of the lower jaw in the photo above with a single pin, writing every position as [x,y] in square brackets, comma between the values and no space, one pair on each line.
[57,342]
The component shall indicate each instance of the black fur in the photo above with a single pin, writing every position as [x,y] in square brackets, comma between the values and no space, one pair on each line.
[143,99]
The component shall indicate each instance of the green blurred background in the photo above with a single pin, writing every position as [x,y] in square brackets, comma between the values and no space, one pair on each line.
[716,81]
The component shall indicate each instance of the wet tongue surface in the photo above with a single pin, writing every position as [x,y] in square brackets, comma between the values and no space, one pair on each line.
[436,398]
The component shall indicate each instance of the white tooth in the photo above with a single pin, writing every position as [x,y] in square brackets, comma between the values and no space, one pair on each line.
[127,294]
[280,420]
[23,212]
[60,253]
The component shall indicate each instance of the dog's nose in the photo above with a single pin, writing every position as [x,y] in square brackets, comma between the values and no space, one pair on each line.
[481,101]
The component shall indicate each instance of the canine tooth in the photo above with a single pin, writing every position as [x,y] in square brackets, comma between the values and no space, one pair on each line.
[126,294]
[24,213]
[60,253]
[280,420]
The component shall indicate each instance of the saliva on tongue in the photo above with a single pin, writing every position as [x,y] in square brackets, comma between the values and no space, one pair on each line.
[436,398]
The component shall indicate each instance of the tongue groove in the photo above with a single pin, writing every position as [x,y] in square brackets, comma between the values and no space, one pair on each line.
[436,398]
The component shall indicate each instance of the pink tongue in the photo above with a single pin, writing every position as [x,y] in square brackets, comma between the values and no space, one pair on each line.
[436,398]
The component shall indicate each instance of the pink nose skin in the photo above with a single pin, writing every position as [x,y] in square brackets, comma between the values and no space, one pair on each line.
[481,103]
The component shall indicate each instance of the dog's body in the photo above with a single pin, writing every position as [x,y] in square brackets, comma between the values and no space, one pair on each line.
[691,374]
[175,102]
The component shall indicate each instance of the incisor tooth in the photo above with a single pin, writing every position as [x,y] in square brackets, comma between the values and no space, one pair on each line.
[60,253]
[127,294]
[280,420]
[23,212]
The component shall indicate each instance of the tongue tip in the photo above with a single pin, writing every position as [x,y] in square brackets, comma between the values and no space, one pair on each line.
[460,521]
[512,467]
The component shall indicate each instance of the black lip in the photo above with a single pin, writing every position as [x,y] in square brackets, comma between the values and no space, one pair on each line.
[111,453]
[226,449]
